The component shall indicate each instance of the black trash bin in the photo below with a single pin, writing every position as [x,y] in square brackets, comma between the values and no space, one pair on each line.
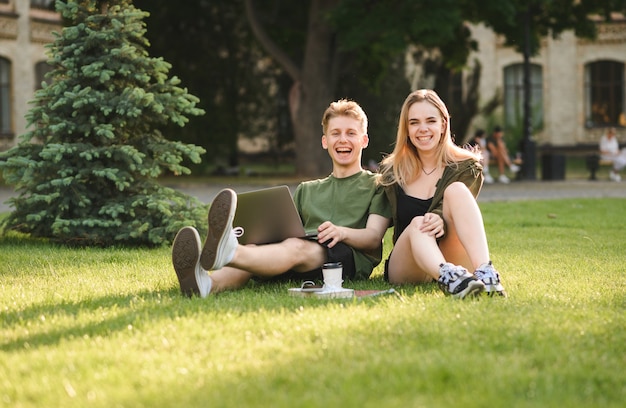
[553,166]
[593,164]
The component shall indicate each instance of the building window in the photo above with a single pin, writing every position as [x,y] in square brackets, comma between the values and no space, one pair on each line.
[604,92]
[42,4]
[5,97]
[514,95]
[41,69]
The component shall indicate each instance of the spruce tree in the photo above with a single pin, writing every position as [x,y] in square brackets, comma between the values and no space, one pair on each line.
[86,172]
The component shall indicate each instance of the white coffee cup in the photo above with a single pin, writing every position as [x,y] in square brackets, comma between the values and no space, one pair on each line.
[332,275]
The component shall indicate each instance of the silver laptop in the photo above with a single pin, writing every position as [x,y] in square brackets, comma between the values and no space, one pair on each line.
[268,215]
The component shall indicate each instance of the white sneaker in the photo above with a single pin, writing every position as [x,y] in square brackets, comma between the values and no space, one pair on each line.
[221,243]
[488,275]
[613,175]
[514,168]
[503,179]
[192,278]
[455,281]
[488,178]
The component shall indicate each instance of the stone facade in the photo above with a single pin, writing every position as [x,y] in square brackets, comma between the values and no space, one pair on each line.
[24,32]
[563,62]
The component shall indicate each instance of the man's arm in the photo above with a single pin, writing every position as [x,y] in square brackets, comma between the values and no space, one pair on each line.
[363,239]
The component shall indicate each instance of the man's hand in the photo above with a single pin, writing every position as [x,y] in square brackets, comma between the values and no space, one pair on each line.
[363,239]
[329,234]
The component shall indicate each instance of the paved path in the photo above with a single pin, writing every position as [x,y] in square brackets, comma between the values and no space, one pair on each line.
[540,190]
[519,190]
[522,190]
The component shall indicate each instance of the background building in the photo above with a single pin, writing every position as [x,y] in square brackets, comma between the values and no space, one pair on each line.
[25,27]
[577,86]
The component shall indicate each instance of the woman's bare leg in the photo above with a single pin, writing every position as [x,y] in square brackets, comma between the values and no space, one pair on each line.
[466,241]
[416,256]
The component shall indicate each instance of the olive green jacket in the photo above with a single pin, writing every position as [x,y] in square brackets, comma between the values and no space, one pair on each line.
[469,172]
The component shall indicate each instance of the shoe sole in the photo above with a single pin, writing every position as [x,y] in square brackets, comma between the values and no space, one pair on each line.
[185,254]
[473,288]
[221,216]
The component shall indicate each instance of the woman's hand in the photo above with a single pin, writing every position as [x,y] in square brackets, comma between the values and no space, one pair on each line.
[432,225]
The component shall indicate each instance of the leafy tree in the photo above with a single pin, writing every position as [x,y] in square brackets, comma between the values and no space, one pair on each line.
[327,49]
[87,172]
[212,49]
[369,35]
[374,32]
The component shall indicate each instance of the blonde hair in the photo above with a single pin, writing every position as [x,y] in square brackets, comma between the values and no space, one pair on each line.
[403,165]
[344,107]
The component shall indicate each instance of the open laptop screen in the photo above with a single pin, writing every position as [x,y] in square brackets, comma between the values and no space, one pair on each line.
[267,215]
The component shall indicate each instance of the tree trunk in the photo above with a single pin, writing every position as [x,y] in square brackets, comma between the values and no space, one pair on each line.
[313,88]
[312,95]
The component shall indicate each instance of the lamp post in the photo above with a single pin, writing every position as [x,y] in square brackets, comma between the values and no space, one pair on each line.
[528,145]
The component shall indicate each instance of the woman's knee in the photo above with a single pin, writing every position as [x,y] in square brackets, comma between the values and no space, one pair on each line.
[457,200]
[414,232]
[416,223]
[456,191]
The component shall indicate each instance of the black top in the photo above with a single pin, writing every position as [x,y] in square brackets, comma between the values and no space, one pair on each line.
[409,208]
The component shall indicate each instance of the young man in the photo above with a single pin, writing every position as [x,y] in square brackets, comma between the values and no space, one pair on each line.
[500,153]
[347,209]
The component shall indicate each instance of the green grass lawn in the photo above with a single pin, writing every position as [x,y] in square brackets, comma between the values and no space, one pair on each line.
[108,328]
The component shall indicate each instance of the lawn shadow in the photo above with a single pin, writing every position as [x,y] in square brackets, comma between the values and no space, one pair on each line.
[128,308]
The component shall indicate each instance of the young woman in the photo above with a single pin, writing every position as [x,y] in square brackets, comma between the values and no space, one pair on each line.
[432,185]
[609,150]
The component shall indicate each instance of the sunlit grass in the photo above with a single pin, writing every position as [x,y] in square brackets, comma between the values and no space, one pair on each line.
[107,327]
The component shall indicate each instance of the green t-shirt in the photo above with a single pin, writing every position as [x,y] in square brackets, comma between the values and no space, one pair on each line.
[346,202]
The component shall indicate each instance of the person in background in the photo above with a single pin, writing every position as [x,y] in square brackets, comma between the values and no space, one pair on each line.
[348,210]
[432,185]
[609,150]
[498,150]
[480,141]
